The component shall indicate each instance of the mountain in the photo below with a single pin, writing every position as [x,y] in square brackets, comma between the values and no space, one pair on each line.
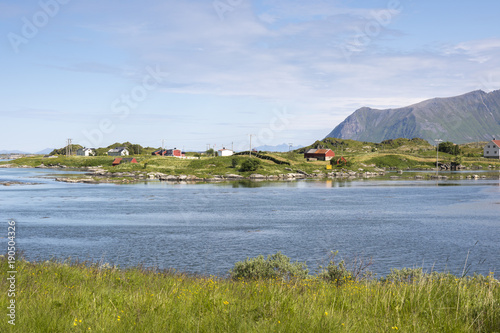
[45,151]
[474,116]
[13,152]
[279,148]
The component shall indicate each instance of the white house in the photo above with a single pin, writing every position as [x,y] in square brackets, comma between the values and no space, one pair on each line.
[118,151]
[85,152]
[492,149]
[225,152]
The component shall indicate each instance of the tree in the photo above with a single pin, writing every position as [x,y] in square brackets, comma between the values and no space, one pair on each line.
[449,148]
[210,152]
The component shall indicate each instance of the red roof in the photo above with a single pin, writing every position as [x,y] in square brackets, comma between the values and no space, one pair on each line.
[497,142]
[119,160]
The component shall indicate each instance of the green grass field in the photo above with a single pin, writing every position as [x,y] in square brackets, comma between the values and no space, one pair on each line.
[64,297]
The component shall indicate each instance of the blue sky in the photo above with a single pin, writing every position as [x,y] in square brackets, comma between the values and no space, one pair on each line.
[213,72]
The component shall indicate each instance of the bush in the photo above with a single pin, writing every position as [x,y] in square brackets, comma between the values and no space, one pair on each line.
[407,275]
[276,266]
[251,164]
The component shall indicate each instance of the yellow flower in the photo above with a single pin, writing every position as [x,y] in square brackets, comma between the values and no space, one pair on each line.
[226,302]
[326,313]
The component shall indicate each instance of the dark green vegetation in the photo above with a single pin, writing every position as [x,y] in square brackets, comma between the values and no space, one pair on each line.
[449,148]
[470,117]
[80,297]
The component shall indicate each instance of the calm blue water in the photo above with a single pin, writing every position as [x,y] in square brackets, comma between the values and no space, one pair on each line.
[206,228]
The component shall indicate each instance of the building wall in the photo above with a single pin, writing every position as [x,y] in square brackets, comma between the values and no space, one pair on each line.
[491,150]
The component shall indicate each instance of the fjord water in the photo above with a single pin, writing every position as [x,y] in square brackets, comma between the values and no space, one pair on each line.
[206,228]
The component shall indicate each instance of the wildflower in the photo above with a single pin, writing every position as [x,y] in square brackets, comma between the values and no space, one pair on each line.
[226,302]
[394,327]
[326,313]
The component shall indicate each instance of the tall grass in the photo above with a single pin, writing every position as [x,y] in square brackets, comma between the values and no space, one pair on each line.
[81,297]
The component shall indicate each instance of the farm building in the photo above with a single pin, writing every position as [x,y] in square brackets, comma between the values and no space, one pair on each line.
[492,149]
[85,152]
[120,160]
[118,151]
[319,154]
[225,152]
[168,152]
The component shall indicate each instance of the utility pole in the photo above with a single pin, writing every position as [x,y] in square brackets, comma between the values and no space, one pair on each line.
[68,148]
[250,151]
[437,154]
[232,143]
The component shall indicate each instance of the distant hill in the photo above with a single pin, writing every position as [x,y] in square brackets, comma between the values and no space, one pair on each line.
[278,148]
[13,152]
[45,151]
[474,116]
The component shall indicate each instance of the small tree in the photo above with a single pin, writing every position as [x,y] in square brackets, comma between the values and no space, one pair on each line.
[234,162]
[449,148]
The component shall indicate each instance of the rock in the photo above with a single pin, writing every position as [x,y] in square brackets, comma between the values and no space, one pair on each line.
[168,178]
[302,172]
[233,176]
[257,176]
[182,177]
[288,169]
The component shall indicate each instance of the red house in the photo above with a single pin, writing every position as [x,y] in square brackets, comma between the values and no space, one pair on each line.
[319,154]
[120,160]
[168,152]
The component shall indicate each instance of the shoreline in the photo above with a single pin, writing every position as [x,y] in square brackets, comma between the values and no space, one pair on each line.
[98,175]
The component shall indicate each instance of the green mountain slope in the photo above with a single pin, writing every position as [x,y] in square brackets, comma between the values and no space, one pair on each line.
[474,116]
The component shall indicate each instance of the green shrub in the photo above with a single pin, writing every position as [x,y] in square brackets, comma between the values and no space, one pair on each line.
[276,266]
[251,164]
[408,275]
[335,273]
[342,272]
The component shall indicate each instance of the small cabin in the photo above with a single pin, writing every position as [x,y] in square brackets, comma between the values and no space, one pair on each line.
[225,152]
[319,154]
[85,152]
[120,160]
[118,151]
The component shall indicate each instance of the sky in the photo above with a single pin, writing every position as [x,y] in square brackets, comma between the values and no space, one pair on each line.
[195,73]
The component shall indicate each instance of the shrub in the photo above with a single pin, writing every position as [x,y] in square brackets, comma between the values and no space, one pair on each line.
[408,275]
[251,164]
[342,272]
[276,266]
